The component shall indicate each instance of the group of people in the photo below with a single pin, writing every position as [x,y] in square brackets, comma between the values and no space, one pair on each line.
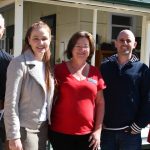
[77,106]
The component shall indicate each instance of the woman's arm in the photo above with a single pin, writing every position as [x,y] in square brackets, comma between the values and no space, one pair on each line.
[12,97]
[99,115]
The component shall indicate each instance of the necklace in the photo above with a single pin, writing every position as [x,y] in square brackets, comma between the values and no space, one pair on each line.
[80,73]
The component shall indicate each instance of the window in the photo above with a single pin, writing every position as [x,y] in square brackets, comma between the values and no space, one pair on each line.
[119,23]
[10,39]
[2,44]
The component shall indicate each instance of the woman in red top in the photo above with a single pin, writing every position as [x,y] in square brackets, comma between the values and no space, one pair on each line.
[79,109]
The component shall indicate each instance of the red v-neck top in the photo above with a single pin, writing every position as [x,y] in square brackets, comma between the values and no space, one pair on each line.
[73,112]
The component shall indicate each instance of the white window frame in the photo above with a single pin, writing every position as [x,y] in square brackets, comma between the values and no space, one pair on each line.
[110,25]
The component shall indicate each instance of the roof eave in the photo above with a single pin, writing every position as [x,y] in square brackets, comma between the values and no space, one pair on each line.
[128,3]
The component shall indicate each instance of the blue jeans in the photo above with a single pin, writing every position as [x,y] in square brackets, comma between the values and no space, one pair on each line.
[120,140]
[1,144]
[2,134]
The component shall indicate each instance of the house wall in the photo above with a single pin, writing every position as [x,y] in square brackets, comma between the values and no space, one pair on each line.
[138,28]
[67,24]
[68,21]
[86,22]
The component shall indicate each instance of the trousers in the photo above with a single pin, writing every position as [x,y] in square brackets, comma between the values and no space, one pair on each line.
[120,140]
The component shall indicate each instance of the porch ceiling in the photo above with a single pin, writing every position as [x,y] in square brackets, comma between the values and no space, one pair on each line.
[135,7]
[4,3]
[138,3]
[118,6]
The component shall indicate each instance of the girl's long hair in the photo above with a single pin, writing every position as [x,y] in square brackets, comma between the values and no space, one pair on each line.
[47,54]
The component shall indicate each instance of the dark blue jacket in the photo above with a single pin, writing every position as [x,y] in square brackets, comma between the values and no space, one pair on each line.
[127,96]
[5,58]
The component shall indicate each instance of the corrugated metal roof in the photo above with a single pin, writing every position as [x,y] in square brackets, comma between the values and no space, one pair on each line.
[137,3]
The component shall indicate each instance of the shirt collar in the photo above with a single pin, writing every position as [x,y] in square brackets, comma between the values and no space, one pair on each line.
[132,59]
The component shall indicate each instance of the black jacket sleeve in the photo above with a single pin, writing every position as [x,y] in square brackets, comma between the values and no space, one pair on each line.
[143,117]
[5,58]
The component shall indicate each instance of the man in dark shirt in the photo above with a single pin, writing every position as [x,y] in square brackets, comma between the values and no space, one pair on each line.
[5,58]
[127,96]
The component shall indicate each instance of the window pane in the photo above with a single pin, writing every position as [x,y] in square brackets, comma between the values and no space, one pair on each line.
[116,30]
[121,20]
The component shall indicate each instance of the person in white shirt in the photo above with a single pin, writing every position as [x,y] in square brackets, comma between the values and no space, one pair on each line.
[29,92]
